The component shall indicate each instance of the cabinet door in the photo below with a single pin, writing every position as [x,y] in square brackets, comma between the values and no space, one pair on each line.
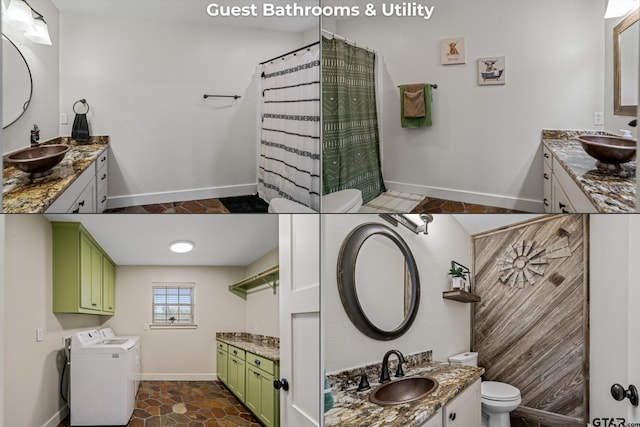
[221,365]
[96,278]
[465,410]
[435,420]
[90,274]
[268,410]
[253,391]
[236,375]
[561,202]
[108,286]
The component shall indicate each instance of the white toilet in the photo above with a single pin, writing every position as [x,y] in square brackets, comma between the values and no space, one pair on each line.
[498,399]
[343,201]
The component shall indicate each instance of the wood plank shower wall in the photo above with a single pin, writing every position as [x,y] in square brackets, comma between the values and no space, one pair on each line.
[535,337]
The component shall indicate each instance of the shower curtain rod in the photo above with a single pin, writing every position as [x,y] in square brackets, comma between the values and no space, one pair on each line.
[352,42]
[289,53]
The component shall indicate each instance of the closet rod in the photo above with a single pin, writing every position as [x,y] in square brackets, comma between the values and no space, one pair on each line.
[289,53]
[434,86]
[222,96]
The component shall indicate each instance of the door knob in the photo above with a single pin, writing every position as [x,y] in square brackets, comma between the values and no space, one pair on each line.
[281,384]
[619,393]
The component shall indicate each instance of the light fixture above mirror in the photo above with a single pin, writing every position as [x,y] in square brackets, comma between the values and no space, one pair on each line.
[20,16]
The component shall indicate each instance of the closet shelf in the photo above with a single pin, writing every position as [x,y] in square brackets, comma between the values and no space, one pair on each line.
[268,277]
[461,296]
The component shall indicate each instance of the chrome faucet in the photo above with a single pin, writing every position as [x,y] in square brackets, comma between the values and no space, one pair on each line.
[384,372]
[35,136]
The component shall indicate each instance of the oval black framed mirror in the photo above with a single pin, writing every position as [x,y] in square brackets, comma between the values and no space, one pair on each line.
[17,83]
[380,306]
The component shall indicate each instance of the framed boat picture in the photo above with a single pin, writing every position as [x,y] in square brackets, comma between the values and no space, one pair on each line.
[491,71]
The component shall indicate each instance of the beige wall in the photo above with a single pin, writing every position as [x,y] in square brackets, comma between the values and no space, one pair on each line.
[178,353]
[32,369]
[441,325]
[262,307]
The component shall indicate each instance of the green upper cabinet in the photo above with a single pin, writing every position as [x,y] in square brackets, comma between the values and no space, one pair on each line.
[83,274]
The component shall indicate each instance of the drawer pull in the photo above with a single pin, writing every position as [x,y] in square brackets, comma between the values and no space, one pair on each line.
[105,158]
[452,416]
[94,304]
[235,352]
[104,176]
[81,203]
[546,156]
[104,199]
[546,202]
[546,176]
[75,210]
[257,362]
[562,205]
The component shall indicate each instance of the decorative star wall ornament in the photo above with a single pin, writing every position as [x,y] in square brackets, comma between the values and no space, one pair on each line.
[522,262]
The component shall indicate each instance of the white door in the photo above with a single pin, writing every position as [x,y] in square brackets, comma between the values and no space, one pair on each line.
[300,320]
[634,302]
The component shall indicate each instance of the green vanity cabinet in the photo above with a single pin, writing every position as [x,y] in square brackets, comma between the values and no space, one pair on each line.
[83,274]
[222,356]
[236,372]
[261,398]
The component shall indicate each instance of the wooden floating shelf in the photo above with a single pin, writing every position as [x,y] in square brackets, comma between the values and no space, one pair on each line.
[268,277]
[461,296]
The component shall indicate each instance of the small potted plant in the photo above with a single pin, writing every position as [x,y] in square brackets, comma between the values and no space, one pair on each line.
[172,319]
[458,276]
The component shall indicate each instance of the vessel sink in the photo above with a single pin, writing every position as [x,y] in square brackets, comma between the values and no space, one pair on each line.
[609,151]
[39,160]
[403,390]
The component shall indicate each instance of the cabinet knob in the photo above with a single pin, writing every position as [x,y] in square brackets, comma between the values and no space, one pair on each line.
[619,393]
[105,158]
[104,176]
[235,351]
[546,156]
[75,210]
[257,362]
[546,202]
[546,176]
[281,384]
[104,199]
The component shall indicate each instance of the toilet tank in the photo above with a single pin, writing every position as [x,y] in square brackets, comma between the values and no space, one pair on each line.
[469,358]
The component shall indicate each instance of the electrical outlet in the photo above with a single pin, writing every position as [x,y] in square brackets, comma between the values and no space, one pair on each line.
[145,326]
[64,119]
[598,119]
[39,334]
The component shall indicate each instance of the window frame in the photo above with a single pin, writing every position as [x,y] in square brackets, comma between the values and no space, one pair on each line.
[176,325]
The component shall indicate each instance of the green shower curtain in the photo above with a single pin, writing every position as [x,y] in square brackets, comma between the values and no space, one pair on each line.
[350,140]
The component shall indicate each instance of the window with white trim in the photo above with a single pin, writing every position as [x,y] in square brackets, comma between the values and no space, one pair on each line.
[173,304]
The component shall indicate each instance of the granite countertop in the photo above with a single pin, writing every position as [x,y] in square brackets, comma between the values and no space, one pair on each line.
[354,409]
[262,345]
[20,194]
[610,192]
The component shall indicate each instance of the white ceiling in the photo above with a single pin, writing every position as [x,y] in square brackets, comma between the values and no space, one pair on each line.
[220,240]
[190,11]
[478,223]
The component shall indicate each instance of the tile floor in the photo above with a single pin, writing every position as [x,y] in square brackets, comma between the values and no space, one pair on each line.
[431,205]
[187,403]
[203,206]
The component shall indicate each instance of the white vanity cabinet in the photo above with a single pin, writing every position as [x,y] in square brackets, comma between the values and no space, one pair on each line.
[465,410]
[88,193]
[434,421]
[561,193]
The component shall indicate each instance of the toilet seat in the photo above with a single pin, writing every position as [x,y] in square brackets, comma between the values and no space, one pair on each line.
[499,392]
[281,205]
[342,201]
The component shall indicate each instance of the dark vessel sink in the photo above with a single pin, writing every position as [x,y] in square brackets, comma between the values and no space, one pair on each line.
[403,390]
[610,151]
[39,160]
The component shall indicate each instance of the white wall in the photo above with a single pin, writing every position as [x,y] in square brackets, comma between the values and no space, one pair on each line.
[44,63]
[263,308]
[440,325]
[32,369]
[144,81]
[484,145]
[178,353]
[613,123]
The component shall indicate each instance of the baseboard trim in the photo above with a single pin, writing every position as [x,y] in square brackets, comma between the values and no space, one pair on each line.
[547,418]
[178,196]
[57,417]
[519,204]
[178,377]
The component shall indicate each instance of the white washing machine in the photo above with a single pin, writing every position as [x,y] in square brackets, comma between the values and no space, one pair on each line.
[103,379]
[107,333]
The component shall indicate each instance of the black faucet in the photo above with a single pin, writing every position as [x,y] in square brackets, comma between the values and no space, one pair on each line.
[35,136]
[384,372]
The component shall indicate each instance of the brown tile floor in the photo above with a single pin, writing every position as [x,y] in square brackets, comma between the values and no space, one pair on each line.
[203,206]
[187,403]
[431,205]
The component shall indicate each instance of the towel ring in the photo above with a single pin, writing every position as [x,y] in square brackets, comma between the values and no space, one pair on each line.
[81,101]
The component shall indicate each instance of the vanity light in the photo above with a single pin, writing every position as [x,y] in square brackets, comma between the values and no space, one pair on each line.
[181,246]
[617,8]
[20,15]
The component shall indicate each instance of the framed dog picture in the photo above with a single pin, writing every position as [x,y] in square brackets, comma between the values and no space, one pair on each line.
[491,71]
[452,51]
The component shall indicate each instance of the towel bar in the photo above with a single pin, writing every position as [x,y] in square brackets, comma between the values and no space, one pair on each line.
[222,96]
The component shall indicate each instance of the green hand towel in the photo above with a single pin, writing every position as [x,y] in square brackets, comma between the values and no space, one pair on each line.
[417,122]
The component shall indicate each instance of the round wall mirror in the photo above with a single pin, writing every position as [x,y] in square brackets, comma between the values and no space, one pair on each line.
[378,281]
[17,84]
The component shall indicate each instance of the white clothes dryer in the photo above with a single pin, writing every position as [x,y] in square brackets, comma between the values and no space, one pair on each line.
[103,379]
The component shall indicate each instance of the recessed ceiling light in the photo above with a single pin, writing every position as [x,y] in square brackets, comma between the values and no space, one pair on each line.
[181,246]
